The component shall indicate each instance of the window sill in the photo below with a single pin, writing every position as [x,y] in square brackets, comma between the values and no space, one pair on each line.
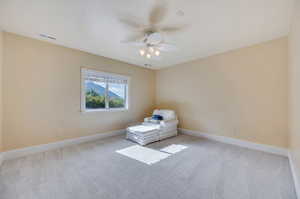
[104,110]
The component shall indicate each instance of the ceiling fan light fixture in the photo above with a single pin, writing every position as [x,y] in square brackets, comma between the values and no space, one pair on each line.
[142,52]
[151,49]
[151,38]
[157,52]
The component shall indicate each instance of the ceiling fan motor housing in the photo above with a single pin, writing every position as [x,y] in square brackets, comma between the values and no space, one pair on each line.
[153,38]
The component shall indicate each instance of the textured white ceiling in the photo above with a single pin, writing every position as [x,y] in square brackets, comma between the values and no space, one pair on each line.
[212,26]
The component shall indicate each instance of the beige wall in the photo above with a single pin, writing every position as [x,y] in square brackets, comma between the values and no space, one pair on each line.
[240,94]
[1,65]
[41,93]
[294,86]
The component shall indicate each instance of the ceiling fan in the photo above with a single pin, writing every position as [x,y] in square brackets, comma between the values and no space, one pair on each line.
[151,37]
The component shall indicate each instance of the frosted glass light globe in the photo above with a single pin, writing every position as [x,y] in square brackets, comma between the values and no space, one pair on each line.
[142,52]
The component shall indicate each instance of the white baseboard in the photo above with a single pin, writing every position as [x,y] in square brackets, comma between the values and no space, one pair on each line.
[1,158]
[295,174]
[241,143]
[55,145]
[255,146]
[261,147]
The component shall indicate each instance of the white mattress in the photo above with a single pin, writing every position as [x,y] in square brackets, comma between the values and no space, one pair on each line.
[145,133]
[143,128]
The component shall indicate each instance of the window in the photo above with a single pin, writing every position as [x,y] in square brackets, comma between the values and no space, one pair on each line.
[103,91]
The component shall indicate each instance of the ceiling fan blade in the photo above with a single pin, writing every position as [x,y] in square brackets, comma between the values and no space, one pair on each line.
[135,38]
[134,43]
[157,14]
[171,29]
[131,23]
[167,47]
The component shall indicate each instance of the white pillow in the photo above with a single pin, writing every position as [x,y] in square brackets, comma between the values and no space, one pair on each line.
[167,114]
[154,121]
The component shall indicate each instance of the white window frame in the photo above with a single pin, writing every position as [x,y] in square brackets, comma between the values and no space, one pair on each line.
[111,75]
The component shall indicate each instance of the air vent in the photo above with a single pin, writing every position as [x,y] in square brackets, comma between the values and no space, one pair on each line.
[47,36]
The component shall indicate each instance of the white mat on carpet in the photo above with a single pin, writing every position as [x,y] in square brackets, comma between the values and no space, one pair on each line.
[174,148]
[143,154]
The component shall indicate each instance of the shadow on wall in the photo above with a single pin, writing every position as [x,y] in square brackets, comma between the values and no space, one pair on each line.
[207,105]
[185,113]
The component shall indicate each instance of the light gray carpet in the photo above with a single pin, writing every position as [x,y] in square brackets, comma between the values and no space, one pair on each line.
[205,170]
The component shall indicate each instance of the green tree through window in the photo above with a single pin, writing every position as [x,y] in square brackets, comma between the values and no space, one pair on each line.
[93,100]
[103,90]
